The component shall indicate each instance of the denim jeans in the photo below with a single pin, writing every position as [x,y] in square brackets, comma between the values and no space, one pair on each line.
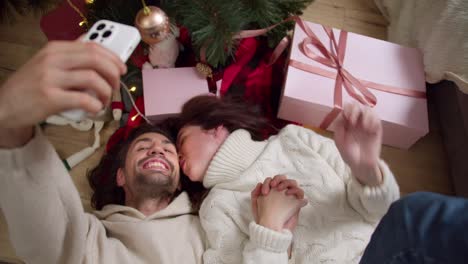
[421,228]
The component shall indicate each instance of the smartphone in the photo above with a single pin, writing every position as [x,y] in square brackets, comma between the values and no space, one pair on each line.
[119,38]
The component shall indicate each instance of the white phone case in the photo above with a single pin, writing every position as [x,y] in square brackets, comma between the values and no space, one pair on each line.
[119,38]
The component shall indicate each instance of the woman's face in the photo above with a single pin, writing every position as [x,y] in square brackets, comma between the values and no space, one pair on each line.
[197,148]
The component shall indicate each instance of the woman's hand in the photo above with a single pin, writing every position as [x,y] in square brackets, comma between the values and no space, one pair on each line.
[274,208]
[358,137]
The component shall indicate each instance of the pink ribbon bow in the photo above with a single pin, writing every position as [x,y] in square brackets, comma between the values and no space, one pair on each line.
[334,58]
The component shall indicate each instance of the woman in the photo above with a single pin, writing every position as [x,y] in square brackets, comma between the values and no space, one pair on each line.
[220,145]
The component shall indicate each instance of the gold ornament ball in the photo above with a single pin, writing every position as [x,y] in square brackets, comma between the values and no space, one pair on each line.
[153,24]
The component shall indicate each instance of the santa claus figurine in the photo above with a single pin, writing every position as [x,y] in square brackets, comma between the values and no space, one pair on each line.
[164,53]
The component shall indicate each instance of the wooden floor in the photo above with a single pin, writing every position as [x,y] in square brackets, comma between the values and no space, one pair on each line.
[422,168]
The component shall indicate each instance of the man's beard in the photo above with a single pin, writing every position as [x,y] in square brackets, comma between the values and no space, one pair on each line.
[154,187]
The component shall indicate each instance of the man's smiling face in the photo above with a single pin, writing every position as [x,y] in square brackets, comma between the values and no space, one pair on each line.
[151,167]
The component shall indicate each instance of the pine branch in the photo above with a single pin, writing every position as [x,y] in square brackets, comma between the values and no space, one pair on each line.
[214,22]
[212,25]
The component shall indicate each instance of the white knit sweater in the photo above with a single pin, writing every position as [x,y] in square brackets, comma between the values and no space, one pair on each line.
[334,227]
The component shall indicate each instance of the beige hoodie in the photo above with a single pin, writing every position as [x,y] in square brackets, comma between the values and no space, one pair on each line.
[47,223]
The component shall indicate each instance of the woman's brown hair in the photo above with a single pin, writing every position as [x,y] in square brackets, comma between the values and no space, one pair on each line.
[233,113]
[209,112]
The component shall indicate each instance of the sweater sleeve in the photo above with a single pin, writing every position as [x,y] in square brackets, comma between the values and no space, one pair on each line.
[233,240]
[266,245]
[370,202]
[45,217]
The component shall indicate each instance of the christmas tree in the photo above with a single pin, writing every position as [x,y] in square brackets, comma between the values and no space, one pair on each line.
[212,23]
[212,26]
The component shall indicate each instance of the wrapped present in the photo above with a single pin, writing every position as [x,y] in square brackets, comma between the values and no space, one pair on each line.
[166,90]
[328,68]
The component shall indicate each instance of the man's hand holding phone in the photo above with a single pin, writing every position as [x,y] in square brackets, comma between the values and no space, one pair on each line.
[47,84]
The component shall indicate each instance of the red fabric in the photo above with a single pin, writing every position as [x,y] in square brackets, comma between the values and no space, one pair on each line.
[138,57]
[117,105]
[186,56]
[261,83]
[244,54]
[184,36]
[123,132]
[62,23]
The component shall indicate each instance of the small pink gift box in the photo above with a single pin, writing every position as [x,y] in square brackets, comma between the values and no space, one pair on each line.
[392,78]
[166,90]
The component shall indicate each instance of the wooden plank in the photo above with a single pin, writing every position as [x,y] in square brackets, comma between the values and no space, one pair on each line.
[364,5]
[365,23]
[424,167]
[366,17]
[325,14]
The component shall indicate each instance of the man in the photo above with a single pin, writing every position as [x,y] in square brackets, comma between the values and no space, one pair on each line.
[143,217]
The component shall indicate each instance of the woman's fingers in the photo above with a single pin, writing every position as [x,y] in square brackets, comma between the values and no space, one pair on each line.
[276,180]
[351,113]
[286,184]
[370,121]
[298,192]
[266,186]
[256,191]
[303,203]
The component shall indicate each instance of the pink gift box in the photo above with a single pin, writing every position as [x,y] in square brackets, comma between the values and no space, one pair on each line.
[309,97]
[166,90]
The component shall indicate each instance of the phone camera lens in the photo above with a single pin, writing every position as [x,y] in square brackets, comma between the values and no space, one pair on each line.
[107,33]
[93,36]
[101,26]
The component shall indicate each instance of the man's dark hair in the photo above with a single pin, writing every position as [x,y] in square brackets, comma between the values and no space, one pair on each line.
[102,178]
